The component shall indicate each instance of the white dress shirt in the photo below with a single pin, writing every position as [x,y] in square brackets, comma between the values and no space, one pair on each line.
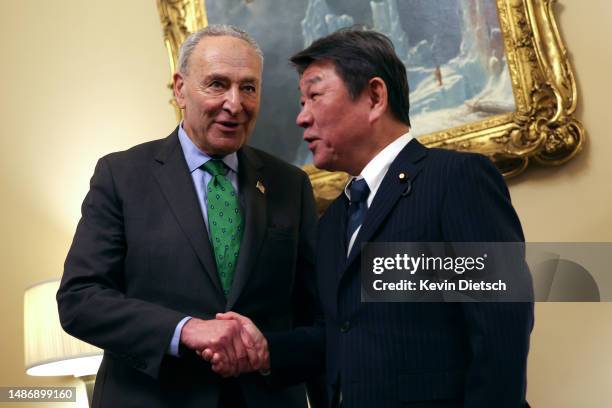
[374,172]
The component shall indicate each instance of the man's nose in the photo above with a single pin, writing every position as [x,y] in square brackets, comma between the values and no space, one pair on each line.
[304,118]
[233,101]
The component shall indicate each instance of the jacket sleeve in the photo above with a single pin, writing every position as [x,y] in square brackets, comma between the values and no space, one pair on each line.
[477,208]
[92,300]
[299,354]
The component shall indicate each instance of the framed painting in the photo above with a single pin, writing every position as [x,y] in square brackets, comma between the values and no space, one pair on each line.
[489,76]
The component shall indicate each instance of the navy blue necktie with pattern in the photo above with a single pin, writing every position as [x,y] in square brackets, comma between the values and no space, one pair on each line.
[357,208]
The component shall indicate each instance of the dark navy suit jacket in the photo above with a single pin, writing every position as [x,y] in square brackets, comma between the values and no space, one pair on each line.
[423,354]
[141,260]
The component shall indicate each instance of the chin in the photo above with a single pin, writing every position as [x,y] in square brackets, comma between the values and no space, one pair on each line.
[323,164]
[226,148]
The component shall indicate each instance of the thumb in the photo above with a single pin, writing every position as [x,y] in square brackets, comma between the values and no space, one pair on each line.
[233,316]
[224,316]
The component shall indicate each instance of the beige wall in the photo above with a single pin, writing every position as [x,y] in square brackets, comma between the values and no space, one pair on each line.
[571,363]
[81,79]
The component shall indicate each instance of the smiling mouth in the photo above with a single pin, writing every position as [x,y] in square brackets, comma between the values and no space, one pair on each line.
[225,125]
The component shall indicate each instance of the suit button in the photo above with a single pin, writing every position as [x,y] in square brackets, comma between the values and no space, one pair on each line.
[345,326]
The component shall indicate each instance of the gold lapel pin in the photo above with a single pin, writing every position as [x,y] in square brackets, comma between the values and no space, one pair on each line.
[403,177]
[260,187]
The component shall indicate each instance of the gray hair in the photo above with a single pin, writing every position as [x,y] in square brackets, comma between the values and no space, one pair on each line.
[214,30]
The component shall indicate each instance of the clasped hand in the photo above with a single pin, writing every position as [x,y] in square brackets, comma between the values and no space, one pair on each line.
[231,343]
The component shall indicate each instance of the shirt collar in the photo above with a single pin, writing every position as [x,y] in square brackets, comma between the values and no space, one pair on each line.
[196,158]
[377,168]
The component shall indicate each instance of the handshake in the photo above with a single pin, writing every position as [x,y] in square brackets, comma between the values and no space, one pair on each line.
[231,343]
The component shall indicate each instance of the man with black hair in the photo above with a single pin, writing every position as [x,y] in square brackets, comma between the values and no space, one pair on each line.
[354,97]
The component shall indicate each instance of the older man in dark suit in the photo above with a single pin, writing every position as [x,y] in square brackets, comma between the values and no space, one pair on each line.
[177,230]
[355,119]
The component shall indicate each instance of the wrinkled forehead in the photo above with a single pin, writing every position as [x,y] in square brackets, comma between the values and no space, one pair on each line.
[307,81]
[227,53]
[318,72]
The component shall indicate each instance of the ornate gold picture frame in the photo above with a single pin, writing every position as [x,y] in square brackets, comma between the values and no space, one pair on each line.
[542,129]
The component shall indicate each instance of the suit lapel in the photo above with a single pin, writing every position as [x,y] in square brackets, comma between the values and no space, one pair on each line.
[341,216]
[177,186]
[408,161]
[337,252]
[254,206]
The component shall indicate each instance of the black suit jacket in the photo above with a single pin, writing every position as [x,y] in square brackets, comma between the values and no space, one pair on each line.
[423,354]
[141,260]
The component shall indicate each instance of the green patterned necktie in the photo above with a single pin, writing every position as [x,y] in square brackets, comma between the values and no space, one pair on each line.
[224,221]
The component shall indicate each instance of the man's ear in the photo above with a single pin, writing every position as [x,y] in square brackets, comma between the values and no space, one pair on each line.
[378,98]
[178,86]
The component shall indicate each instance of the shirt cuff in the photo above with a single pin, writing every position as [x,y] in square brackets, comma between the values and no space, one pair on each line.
[173,348]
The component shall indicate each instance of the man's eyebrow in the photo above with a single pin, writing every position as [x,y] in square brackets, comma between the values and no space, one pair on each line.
[250,79]
[215,77]
[313,80]
[225,78]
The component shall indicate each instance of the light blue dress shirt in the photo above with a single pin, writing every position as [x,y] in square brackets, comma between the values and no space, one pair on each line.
[195,158]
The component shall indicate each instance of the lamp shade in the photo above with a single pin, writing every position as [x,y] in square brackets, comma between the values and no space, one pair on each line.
[49,350]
